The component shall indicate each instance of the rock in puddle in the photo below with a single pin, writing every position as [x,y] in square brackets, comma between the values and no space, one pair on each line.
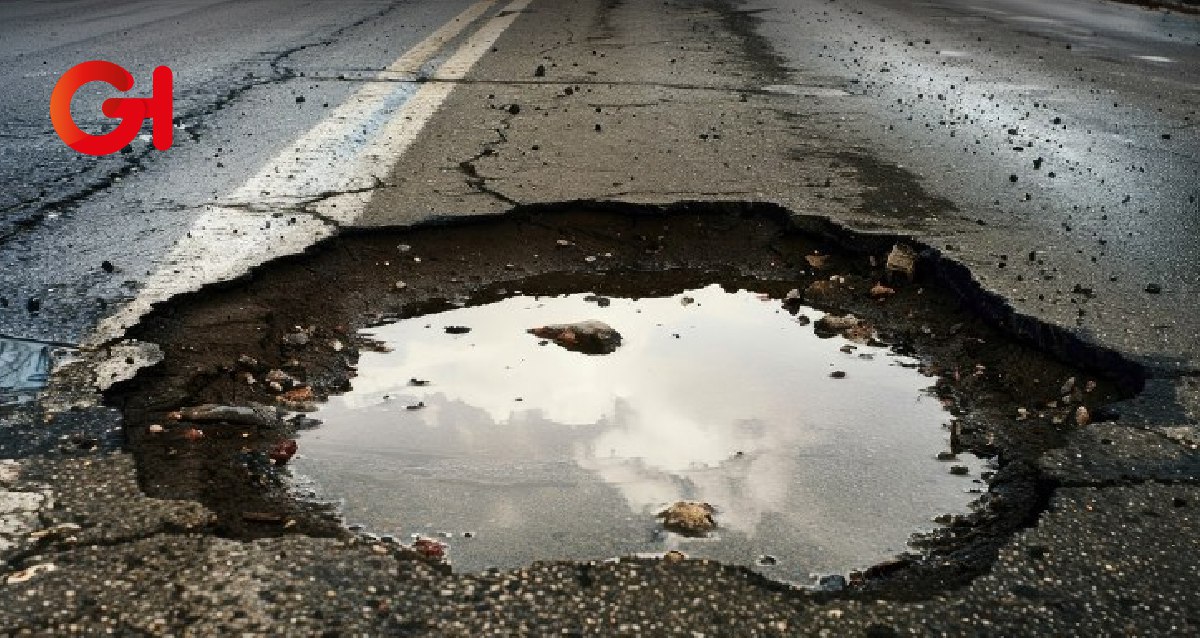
[689,518]
[848,326]
[587,337]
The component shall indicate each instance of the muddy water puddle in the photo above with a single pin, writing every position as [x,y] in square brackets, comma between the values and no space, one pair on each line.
[819,455]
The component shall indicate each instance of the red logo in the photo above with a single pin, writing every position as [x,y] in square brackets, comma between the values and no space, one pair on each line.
[132,111]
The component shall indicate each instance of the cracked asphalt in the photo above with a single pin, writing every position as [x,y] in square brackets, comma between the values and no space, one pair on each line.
[1050,148]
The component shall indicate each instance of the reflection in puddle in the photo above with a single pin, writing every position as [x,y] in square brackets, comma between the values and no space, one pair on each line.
[24,367]
[542,453]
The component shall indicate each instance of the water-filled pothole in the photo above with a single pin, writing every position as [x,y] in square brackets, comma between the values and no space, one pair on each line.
[819,454]
[203,423]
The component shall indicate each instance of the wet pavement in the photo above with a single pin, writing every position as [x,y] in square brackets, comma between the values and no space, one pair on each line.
[842,114]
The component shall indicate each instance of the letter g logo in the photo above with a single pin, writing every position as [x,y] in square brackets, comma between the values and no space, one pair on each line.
[131,111]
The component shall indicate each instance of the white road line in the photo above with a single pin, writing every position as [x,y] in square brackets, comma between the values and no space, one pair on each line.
[354,147]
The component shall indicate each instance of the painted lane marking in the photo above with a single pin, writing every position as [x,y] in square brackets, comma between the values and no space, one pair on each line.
[244,230]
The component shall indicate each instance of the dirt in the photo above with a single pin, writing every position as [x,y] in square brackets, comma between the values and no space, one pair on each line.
[213,339]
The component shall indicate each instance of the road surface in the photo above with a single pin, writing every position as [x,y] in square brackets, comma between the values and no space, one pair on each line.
[1052,148]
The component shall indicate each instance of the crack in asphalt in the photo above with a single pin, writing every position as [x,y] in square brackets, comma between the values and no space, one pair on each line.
[477,181]
[307,205]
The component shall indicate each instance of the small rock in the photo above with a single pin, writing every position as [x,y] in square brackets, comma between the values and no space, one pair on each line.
[674,556]
[832,583]
[283,451]
[1082,416]
[33,305]
[30,573]
[880,291]
[540,71]
[838,374]
[767,560]
[818,289]
[298,338]
[430,548]
[1153,289]
[959,470]
[457,330]
[901,260]
[256,415]
[276,375]
[587,337]
[947,456]
[107,266]
[419,405]
[417,382]
[514,109]
[689,518]
[816,261]
[831,325]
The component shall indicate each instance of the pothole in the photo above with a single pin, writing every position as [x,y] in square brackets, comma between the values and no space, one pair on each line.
[410,394]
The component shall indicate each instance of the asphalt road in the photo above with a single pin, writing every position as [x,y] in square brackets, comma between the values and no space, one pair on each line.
[1052,148]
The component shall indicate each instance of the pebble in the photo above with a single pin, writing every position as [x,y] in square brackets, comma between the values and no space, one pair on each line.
[832,583]
[1082,416]
[902,259]
[30,573]
[880,291]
